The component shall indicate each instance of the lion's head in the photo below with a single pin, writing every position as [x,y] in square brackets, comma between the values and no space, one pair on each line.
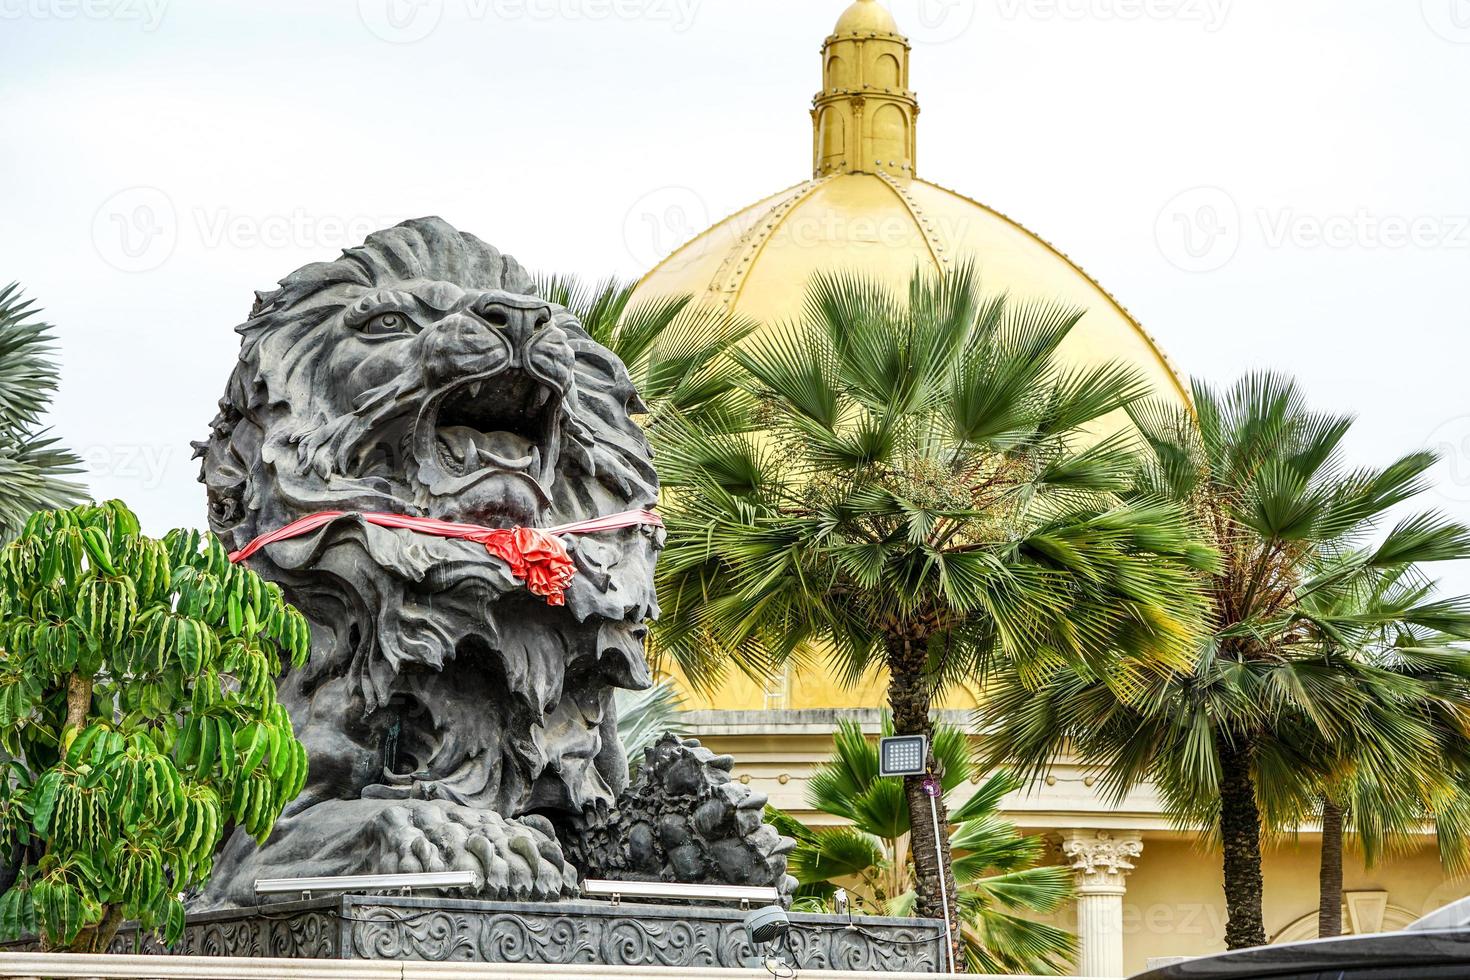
[419,374]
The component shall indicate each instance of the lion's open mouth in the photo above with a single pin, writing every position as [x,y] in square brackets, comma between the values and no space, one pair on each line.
[505,424]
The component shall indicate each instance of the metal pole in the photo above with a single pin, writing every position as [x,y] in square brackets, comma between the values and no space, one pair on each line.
[943,887]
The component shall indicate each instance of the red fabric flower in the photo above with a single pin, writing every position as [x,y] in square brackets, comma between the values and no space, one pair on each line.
[536,558]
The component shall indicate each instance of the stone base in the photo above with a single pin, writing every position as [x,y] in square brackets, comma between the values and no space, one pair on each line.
[439,929]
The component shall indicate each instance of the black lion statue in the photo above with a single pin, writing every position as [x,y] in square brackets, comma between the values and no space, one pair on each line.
[457,716]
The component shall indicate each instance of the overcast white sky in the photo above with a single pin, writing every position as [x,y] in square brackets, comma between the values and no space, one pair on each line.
[1263,183]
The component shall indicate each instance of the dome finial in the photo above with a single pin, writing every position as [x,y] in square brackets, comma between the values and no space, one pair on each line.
[865,16]
[864,117]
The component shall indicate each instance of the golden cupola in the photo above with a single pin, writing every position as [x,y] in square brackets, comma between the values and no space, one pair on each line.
[865,209]
[864,117]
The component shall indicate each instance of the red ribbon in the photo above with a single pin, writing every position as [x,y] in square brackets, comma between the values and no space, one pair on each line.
[536,556]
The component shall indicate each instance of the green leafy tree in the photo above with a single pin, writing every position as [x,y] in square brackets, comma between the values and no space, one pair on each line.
[33,468]
[914,487]
[996,867]
[139,719]
[1235,741]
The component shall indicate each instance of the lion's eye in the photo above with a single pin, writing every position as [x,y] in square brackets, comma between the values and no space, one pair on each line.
[388,325]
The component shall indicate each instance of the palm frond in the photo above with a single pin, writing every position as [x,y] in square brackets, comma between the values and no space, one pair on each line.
[644,717]
[34,469]
[676,353]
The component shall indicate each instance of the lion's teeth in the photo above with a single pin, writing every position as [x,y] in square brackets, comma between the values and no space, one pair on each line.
[475,389]
[536,459]
[465,452]
[543,395]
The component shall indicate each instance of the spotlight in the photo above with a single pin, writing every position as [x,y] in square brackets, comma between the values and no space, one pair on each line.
[767,925]
[903,755]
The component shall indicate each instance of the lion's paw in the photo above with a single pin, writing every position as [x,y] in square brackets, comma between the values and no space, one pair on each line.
[685,819]
[513,860]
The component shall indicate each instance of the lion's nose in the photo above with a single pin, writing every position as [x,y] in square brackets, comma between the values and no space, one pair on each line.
[519,321]
[468,334]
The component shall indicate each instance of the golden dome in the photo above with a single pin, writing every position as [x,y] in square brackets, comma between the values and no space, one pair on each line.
[865,210]
[758,262]
[866,16]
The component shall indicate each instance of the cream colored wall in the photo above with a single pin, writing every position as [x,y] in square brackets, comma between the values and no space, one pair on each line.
[1175,904]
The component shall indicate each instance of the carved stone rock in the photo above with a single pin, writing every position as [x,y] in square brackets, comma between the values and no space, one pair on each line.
[686,815]
[452,719]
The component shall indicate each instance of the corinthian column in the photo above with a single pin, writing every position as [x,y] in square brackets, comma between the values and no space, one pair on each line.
[1101,860]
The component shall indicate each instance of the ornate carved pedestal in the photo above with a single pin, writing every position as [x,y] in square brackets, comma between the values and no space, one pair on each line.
[434,929]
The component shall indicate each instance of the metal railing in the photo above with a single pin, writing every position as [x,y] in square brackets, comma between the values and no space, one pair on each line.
[742,895]
[366,884]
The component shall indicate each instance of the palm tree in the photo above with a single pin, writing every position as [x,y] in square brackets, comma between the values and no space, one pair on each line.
[1234,742]
[911,489]
[999,880]
[1414,769]
[33,467]
[676,352]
